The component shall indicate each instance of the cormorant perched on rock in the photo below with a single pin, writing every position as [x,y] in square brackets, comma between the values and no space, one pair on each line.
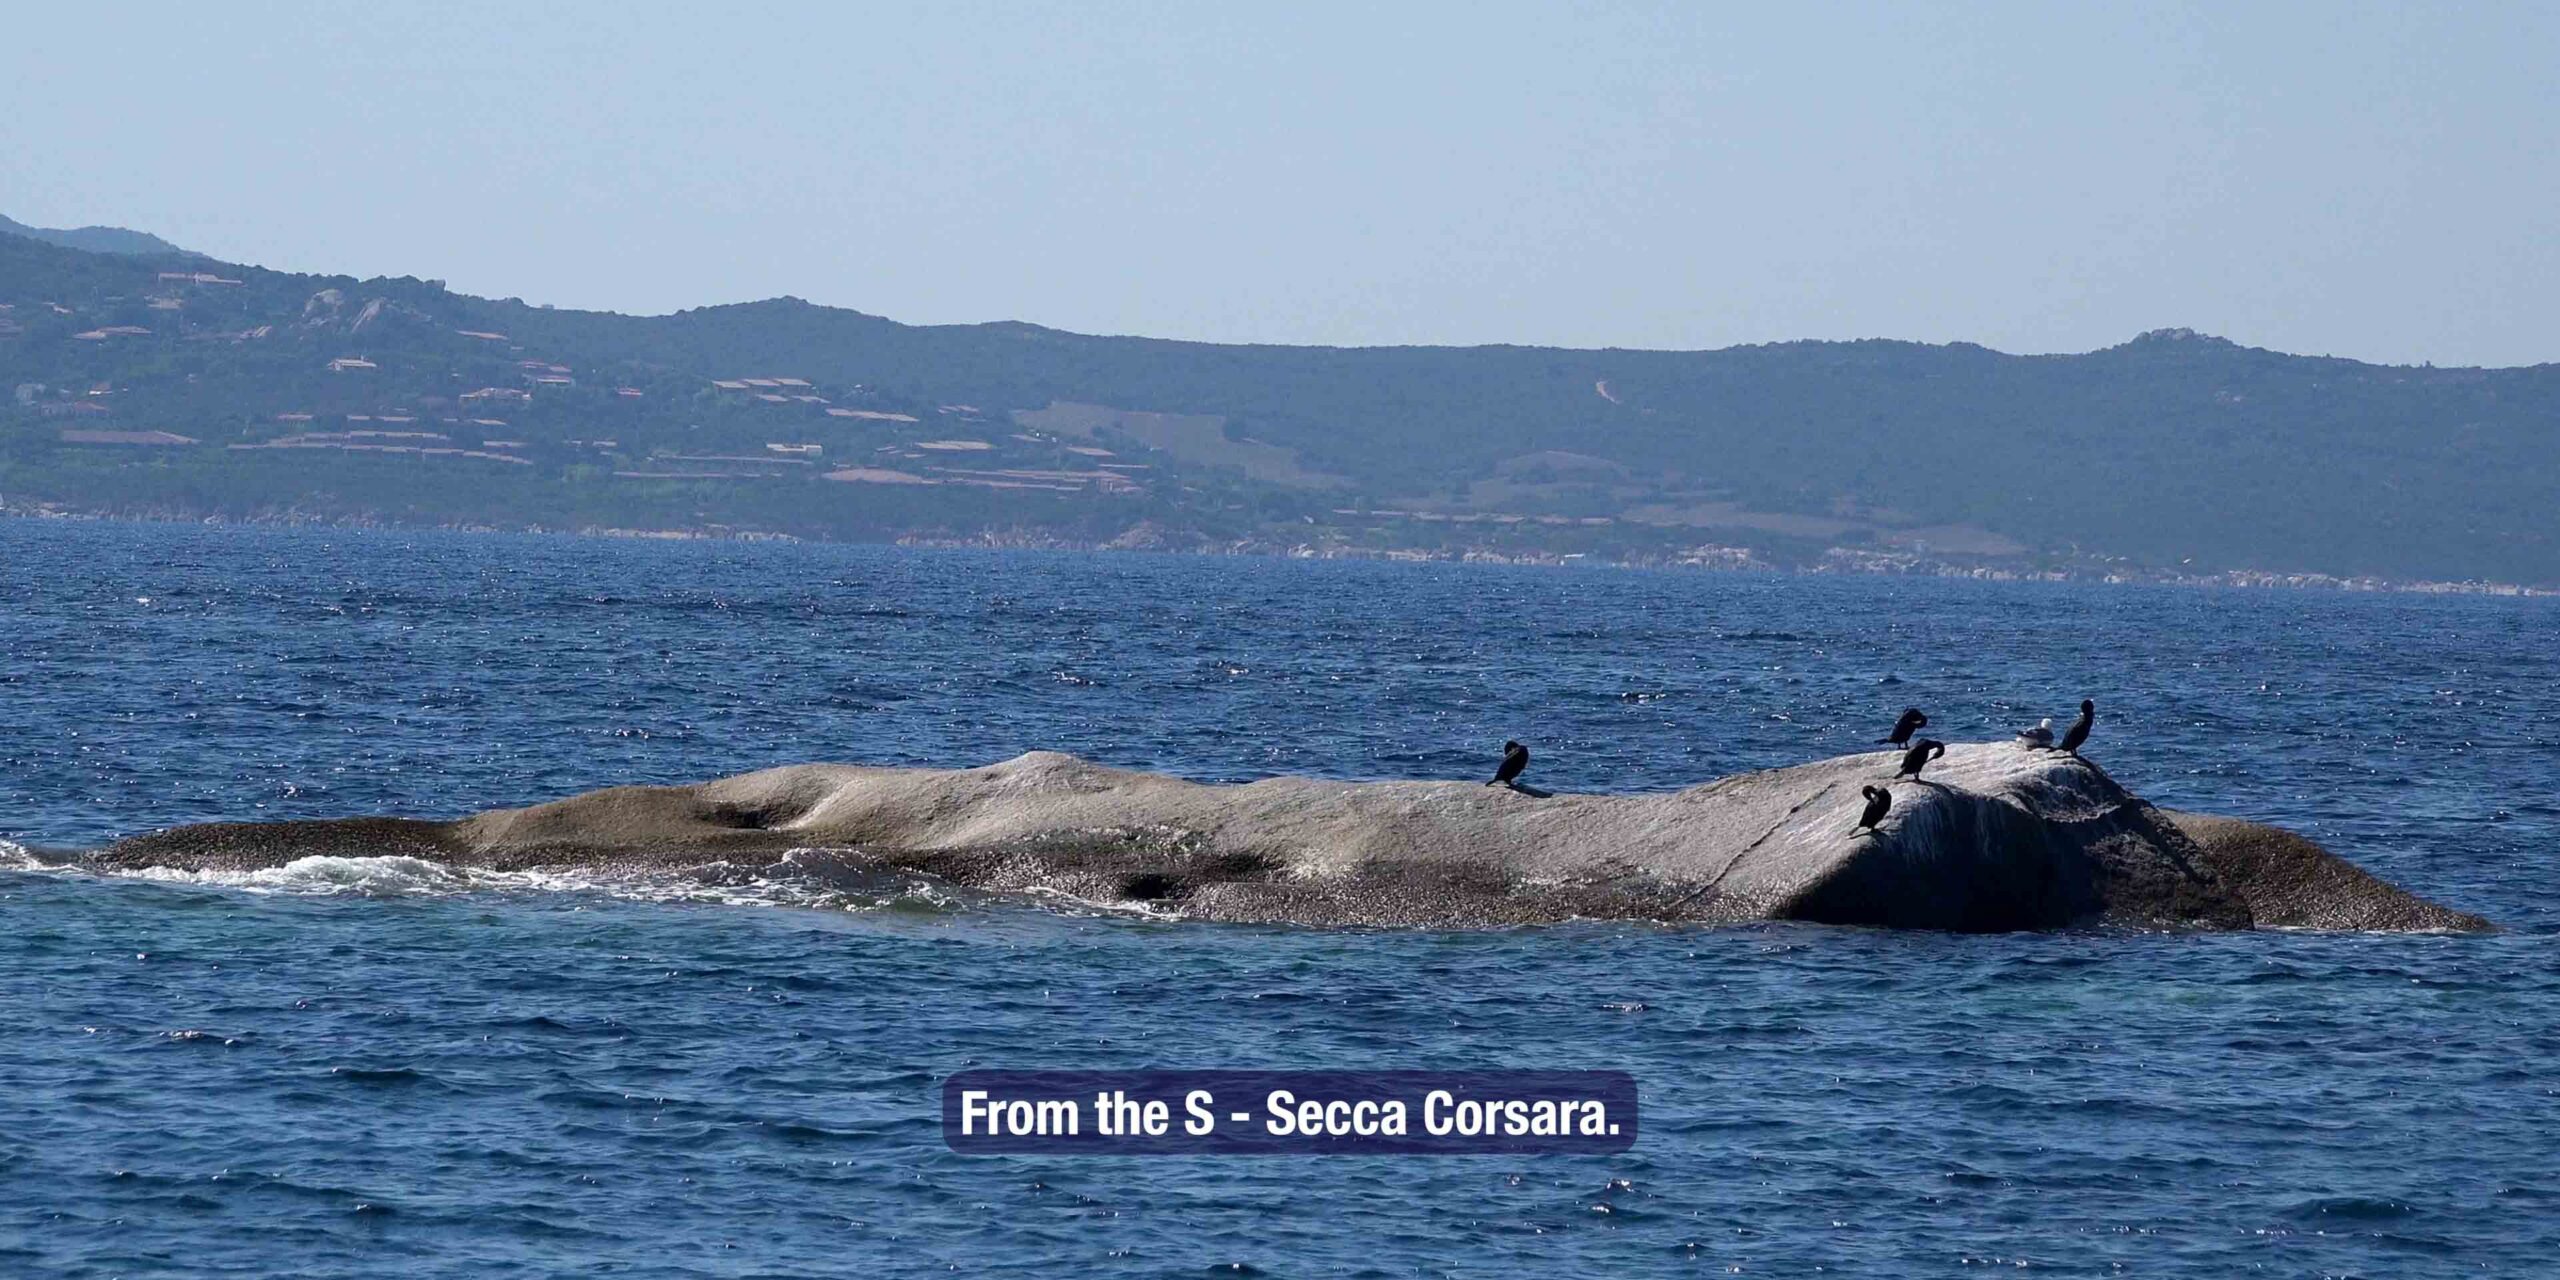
[1921,753]
[1910,723]
[1514,759]
[2079,730]
[2039,737]
[1878,800]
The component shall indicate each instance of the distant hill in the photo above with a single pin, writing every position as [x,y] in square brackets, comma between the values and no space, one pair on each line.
[92,239]
[2174,451]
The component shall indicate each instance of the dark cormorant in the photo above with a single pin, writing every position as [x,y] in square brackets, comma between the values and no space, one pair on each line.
[1921,753]
[1910,723]
[2079,730]
[1514,759]
[1878,800]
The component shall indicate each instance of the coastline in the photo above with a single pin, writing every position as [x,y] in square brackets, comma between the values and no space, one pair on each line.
[1144,537]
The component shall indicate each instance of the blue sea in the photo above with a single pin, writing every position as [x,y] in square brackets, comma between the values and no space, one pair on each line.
[369,1067]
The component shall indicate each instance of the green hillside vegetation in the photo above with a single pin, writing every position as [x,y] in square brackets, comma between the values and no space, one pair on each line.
[92,239]
[2172,450]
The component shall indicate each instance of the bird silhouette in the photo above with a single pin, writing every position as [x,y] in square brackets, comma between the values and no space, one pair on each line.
[1878,800]
[1921,753]
[2079,731]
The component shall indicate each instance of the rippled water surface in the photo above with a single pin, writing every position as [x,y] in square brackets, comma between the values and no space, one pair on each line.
[364,1067]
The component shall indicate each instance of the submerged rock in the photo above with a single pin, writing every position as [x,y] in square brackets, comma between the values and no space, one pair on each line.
[1998,837]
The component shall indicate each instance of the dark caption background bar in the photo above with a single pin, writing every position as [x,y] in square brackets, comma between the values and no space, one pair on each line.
[1248,1091]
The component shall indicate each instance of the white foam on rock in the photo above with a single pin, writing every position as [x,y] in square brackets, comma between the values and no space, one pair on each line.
[327,876]
[723,884]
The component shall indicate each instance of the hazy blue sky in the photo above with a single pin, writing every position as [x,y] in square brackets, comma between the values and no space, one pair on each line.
[2378,182]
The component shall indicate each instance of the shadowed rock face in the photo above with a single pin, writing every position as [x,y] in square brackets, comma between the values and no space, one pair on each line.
[1996,837]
